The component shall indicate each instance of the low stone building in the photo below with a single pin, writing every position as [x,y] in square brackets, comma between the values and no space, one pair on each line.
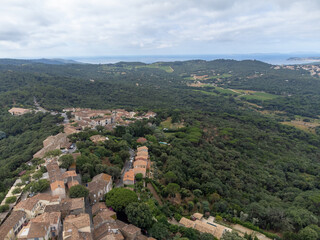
[131,232]
[12,226]
[19,111]
[45,226]
[77,227]
[217,230]
[56,179]
[58,141]
[36,204]
[68,206]
[99,186]
[128,178]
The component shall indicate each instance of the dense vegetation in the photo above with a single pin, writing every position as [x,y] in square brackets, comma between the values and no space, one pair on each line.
[224,157]
[23,137]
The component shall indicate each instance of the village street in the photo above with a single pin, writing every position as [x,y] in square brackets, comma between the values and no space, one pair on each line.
[127,166]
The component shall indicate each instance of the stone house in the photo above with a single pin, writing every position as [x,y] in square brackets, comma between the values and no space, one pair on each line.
[12,226]
[99,186]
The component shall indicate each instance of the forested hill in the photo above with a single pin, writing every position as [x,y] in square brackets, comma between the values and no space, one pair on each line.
[238,151]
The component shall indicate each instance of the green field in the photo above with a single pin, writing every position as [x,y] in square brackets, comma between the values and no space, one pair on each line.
[168,69]
[259,96]
[225,75]
[225,90]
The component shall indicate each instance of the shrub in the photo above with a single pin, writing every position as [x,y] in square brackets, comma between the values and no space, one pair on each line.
[10,200]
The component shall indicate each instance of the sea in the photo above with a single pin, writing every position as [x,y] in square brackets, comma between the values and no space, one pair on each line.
[275,59]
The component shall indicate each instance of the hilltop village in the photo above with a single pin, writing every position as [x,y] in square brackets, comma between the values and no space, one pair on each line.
[53,214]
[63,199]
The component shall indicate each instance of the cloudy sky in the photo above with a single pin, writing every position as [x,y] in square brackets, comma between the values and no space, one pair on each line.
[60,28]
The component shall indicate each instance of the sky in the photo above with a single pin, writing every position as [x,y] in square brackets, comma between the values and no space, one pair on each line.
[66,28]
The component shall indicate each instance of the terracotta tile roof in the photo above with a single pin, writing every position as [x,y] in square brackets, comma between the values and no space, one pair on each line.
[77,227]
[142,153]
[140,170]
[69,174]
[131,229]
[141,237]
[186,222]
[54,171]
[97,207]
[72,203]
[129,175]
[197,216]
[104,216]
[19,111]
[212,228]
[52,217]
[99,182]
[145,158]
[141,140]
[102,176]
[73,183]
[57,184]
[39,226]
[143,148]
[108,231]
[34,230]
[140,163]
[29,203]
[14,217]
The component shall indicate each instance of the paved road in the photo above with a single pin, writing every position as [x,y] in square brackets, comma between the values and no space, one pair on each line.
[40,109]
[127,166]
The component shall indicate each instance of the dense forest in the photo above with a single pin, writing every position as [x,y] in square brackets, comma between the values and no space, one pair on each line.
[224,155]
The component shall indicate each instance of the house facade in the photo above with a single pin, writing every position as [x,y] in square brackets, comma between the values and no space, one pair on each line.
[98,187]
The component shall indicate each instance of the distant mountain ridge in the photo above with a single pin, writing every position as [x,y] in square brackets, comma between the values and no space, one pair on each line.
[53,61]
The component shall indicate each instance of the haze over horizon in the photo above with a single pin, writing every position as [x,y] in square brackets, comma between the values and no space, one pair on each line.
[34,29]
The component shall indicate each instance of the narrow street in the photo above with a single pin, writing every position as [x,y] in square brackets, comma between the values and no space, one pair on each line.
[127,166]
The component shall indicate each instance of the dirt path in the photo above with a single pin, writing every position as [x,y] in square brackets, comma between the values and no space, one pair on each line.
[154,193]
[249,231]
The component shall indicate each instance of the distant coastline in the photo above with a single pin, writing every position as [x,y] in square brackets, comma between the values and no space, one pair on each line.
[275,59]
[305,59]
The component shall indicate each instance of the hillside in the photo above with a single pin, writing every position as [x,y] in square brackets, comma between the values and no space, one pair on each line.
[231,154]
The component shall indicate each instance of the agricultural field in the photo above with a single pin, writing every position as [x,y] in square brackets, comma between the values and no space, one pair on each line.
[168,69]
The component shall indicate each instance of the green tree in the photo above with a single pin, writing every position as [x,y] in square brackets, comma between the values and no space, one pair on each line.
[37,175]
[10,200]
[139,177]
[119,198]
[207,236]
[78,191]
[231,236]
[170,177]
[139,214]
[4,208]
[308,234]
[159,231]
[2,135]
[173,188]
[66,161]
[16,190]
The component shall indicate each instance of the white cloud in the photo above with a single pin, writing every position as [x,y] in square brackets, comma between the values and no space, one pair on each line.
[57,28]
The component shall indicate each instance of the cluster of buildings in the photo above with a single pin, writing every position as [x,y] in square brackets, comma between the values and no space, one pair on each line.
[56,216]
[313,69]
[204,225]
[89,118]
[59,141]
[141,164]
[49,217]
